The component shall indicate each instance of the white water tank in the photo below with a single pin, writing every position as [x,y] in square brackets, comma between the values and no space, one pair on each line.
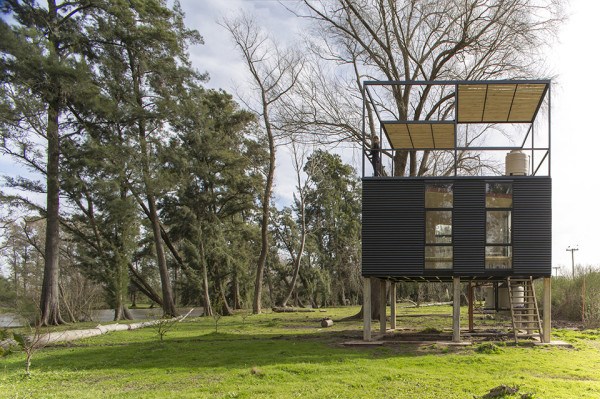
[517,163]
[503,298]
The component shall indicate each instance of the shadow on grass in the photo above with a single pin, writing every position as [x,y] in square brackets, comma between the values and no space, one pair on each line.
[216,350]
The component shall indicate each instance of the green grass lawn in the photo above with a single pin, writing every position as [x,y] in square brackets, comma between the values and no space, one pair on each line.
[289,355]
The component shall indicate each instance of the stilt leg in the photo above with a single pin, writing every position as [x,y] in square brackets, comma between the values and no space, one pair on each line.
[382,306]
[547,309]
[393,306]
[471,300]
[367,309]
[456,311]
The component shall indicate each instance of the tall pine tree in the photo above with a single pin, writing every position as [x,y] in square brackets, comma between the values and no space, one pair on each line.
[40,60]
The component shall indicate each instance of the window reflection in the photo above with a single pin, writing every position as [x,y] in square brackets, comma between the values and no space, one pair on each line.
[438,227]
[498,195]
[498,250]
[438,257]
[498,224]
[498,257]
[439,195]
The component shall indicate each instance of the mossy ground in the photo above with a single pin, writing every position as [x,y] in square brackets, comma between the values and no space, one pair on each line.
[289,355]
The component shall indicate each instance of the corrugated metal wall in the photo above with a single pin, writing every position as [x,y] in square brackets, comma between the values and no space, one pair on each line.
[469,227]
[393,231]
[532,226]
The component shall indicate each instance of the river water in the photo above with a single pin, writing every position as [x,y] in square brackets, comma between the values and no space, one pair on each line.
[103,315]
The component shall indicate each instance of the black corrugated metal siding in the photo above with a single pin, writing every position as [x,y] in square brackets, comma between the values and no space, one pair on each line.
[393,228]
[469,227]
[532,226]
[393,231]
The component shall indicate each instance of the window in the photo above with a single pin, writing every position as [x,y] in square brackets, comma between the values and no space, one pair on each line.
[498,195]
[439,195]
[438,226]
[498,226]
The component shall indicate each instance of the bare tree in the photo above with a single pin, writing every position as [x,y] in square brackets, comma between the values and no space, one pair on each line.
[274,71]
[414,40]
[296,252]
[357,40]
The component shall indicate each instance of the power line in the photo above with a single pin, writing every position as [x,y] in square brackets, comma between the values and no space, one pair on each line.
[572,250]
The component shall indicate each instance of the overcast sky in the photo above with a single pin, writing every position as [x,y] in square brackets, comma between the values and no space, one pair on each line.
[575,138]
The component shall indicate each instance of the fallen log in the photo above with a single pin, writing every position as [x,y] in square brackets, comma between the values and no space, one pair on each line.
[73,335]
[292,310]
[326,322]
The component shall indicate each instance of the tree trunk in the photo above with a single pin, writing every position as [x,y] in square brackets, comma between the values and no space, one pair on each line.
[266,202]
[168,303]
[67,307]
[298,257]
[49,301]
[264,235]
[375,308]
[237,304]
[121,310]
[206,294]
[122,313]
[225,309]
[143,286]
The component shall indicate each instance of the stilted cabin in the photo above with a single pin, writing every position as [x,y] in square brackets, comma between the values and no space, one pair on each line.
[457,187]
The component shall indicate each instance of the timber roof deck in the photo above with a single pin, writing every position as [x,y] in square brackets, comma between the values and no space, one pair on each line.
[484,102]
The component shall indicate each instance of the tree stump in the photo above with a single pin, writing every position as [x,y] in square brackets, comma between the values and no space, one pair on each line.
[326,322]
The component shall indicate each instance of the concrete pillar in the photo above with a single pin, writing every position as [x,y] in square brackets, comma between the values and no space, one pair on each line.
[456,311]
[393,305]
[547,310]
[367,309]
[382,306]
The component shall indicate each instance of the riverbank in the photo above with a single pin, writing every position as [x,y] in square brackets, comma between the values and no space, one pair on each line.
[9,319]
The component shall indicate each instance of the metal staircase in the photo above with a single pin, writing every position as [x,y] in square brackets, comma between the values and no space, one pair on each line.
[524,310]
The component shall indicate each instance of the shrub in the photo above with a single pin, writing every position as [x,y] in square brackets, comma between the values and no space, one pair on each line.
[577,299]
[488,348]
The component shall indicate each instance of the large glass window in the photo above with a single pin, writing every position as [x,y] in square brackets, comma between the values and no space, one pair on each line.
[498,195]
[438,195]
[498,226]
[438,257]
[438,226]
[498,257]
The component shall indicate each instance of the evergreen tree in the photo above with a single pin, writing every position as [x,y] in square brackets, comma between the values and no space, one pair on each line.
[218,168]
[333,209]
[141,60]
[42,72]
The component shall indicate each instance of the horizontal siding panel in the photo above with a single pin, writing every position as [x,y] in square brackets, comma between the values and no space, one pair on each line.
[393,227]
[532,226]
[469,227]
[393,230]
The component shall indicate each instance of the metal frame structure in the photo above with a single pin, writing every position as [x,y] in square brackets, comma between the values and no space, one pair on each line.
[391,193]
[545,96]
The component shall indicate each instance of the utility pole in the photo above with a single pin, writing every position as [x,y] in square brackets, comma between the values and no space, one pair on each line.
[572,250]
[556,269]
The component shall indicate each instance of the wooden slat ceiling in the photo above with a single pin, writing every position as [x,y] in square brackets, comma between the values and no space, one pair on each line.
[499,102]
[420,135]
[477,103]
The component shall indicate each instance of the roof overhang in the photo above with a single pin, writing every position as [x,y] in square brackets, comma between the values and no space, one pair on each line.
[421,135]
[484,102]
[499,102]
